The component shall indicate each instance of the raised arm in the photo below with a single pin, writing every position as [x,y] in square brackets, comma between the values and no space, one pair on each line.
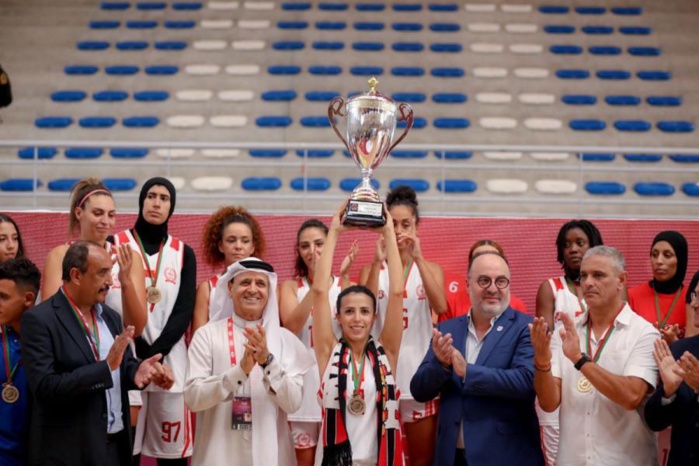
[369,275]
[544,303]
[133,288]
[53,270]
[292,313]
[392,331]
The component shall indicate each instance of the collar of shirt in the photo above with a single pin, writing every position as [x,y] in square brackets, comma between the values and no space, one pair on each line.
[622,319]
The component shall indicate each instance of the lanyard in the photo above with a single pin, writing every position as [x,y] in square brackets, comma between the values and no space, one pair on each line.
[603,342]
[358,375]
[662,322]
[153,278]
[576,292]
[9,373]
[94,335]
[231,341]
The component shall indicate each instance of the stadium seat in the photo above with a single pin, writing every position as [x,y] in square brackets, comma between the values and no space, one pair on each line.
[296,6]
[151,96]
[185,121]
[368,46]
[339,6]
[559,29]
[502,155]
[449,98]
[622,100]
[409,154]
[645,51]
[97,122]
[212,183]
[407,7]
[516,28]
[325,70]
[175,153]
[543,124]
[19,184]
[115,6]
[555,187]
[68,96]
[451,123]
[128,152]
[409,97]
[110,96]
[259,183]
[331,25]
[119,184]
[587,125]
[220,153]
[643,158]
[83,152]
[494,98]
[104,24]
[53,122]
[284,70]
[315,121]
[209,45]
[187,6]
[292,24]
[606,50]
[578,99]
[605,188]
[590,10]
[411,71]
[369,26]
[613,75]
[80,70]
[162,70]
[445,27]
[218,5]
[635,30]
[447,72]
[273,121]
[41,153]
[566,49]
[151,6]
[418,123]
[310,184]
[328,45]
[121,70]
[597,157]
[366,70]
[132,45]
[684,158]
[446,48]
[289,45]
[453,155]
[516,8]
[348,184]
[370,7]
[279,96]
[654,189]
[554,9]
[669,126]
[407,27]
[140,122]
[550,156]
[321,96]
[499,123]
[194,95]
[418,184]
[483,28]
[62,184]
[654,75]
[536,98]
[597,30]
[243,70]
[490,72]
[506,186]
[691,189]
[315,153]
[170,45]
[457,186]
[267,153]
[91,45]
[407,47]
[228,121]
[572,74]
[479,7]
[664,101]
[141,24]
[443,7]
[627,11]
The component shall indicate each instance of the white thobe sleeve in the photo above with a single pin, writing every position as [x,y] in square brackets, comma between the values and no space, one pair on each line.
[286,390]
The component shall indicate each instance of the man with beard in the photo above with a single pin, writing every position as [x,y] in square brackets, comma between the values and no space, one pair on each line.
[481,365]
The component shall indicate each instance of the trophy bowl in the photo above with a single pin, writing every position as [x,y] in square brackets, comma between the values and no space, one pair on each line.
[371,120]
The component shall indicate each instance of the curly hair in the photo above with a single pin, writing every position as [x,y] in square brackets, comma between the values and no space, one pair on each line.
[594,237]
[80,194]
[300,267]
[404,195]
[217,223]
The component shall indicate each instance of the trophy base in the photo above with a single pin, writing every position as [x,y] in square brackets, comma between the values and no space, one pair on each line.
[366,214]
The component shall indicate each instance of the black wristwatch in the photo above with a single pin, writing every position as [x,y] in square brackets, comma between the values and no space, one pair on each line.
[269,360]
[581,362]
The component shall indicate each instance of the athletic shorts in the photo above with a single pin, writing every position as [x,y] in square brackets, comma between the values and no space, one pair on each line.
[305,434]
[164,426]
[413,411]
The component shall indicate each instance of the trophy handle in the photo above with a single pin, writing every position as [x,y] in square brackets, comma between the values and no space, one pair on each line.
[403,117]
[335,108]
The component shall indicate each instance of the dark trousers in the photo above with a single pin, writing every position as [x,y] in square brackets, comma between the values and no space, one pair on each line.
[460,457]
[118,450]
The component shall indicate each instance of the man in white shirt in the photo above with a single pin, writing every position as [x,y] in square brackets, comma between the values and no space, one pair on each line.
[245,374]
[600,370]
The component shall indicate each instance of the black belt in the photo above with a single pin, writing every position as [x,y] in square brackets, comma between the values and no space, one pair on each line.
[111,438]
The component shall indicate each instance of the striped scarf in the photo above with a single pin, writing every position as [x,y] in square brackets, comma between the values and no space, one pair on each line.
[337,450]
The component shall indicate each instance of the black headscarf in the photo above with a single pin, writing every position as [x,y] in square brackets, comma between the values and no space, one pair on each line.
[679,245]
[692,286]
[149,233]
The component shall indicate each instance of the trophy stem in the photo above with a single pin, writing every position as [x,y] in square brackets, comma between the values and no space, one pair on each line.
[365,191]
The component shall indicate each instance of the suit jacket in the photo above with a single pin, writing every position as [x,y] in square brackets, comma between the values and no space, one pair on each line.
[495,401]
[69,417]
[682,414]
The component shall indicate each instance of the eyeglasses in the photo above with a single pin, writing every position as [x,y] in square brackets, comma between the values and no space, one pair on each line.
[693,296]
[500,282]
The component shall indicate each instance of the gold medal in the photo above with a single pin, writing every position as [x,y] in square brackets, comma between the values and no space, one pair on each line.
[584,385]
[153,295]
[10,393]
[357,406]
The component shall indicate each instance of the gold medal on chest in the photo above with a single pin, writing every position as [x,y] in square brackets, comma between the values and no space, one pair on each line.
[584,385]
[357,405]
[10,393]
[153,295]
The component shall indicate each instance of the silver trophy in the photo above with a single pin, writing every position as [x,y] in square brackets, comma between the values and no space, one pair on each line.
[371,122]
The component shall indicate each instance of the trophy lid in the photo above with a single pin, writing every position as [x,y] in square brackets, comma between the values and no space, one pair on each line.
[372,96]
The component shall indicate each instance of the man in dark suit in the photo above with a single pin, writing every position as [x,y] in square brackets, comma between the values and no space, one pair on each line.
[79,367]
[482,366]
[676,401]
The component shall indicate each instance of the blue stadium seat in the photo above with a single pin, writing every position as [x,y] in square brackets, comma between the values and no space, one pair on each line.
[445,27]
[141,24]
[348,184]
[559,29]
[572,74]
[622,100]
[369,26]
[654,189]
[110,96]
[566,49]
[587,125]
[284,69]
[457,186]
[370,7]
[62,184]
[684,158]
[151,96]
[597,30]
[333,6]
[151,6]
[104,24]
[292,24]
[68,96]
[409,154]
[366,70]
[606,50]
[448,72]
[579,99]
[407,71]
[315,121]
[121,70]
[328,45]
[653,75]
[418,184]
[162,70]
[670,126]
[613,75]
[451,123]
[41,152]
[645,51]
[115,6]
[691,189]
[409,97]
[407,27]
[261,183]
[443,7]
[453,155]
[132,45]
[554,9]
[418,123]
[119,184]
[605,188]
[627,11]
[331,25]
[273,121]
[97,122]
[325,70]
[635,30]
[288,45]
[315,153]
[170,45]
[187,6]
[140,122]
[449,98]
[267,153]
[310,184]
[321,96]
[368,46]
[597,157]
[409,7]
[83,153]
[81,70]
[408,47]
[636,126]
[643,158]
[91,45]
[446,48]
[19,184]
[279,96]
[53,122]
[296,6]
[128,152]
[664,101]
[590,10]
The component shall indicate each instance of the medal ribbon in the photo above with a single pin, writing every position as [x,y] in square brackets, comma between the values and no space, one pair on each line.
[94,335]
[603,342]
[231,341]
[9,373]
[576,292]
[662,322]
[146,264]
[358,375]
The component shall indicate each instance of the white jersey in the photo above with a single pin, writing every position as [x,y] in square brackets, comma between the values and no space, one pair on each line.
[565,301]
[417,325]
[168,282]
[212,291]
[310,409]
[113,300]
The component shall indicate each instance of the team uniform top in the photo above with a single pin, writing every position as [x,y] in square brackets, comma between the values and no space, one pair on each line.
[565,301]
[642,301]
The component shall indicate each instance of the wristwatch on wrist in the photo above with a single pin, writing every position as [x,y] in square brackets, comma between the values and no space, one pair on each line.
[269,360]
[581,362]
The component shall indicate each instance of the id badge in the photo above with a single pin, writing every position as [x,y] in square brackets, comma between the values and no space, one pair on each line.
[241,418]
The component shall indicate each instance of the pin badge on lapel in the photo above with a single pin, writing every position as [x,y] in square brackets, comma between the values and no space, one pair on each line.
[499,329]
